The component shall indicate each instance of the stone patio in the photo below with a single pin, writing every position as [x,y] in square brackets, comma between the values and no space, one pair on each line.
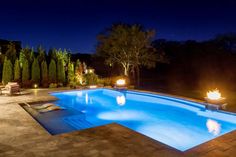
[22,136]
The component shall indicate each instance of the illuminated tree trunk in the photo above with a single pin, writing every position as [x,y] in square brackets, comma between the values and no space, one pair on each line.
[125,71]
[126,67]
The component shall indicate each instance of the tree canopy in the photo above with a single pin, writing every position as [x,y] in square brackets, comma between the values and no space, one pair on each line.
[11,52]
[26,54]
[128,46]
[41,54]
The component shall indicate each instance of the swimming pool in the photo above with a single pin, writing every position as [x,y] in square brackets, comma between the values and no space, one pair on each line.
[175,122]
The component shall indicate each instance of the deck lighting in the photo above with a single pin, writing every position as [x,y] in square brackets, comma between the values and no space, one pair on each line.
[35,85]
[89,71]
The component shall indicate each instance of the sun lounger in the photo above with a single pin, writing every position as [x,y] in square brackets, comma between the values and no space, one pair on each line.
[11,88]
[47,108]
[50,108]
[43,106]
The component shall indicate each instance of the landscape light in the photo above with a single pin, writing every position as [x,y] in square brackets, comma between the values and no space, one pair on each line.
[35,85]
[89,71]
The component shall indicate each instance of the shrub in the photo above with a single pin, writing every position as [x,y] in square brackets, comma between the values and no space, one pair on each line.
[17,70]
[35,73]
[73,85]
[44,84]
[52,74]
[53,85]
[27,84]
[60,85]
[105,81]
[91,79]
[7,74]
[78,72]
[60,71]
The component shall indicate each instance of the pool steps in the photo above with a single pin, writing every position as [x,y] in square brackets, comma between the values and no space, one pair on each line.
[78,122]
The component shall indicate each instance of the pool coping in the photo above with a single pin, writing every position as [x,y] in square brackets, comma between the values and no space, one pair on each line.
[201,102]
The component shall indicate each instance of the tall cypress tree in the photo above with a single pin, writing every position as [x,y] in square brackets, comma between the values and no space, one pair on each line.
[71,73]
[35,71]
[25,72]
[52,74]
[7,71]
[17,70]
[60,71]
[44,72]
[10,67]
[4,72]
[41,54]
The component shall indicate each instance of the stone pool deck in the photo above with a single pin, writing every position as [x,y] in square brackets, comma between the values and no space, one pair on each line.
[22,136]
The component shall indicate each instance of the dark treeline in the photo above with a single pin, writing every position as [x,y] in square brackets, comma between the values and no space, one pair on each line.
[191,65]
[196,65]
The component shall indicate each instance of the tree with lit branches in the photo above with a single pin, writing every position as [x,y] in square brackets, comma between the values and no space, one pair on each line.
[128,46]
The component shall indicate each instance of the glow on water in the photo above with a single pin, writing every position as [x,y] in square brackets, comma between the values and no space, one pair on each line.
[175,122]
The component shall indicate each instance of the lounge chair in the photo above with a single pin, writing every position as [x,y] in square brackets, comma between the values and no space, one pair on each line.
[43,106]
[50,108]
[11,88]
[47,108]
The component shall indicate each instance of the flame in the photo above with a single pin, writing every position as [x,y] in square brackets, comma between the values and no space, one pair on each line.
[120,82]
[214,95]
[213,127]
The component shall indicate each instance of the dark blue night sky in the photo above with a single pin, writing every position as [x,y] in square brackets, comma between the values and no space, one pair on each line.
[75,24]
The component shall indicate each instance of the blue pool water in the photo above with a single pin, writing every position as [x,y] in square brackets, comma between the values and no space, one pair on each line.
[175,122]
